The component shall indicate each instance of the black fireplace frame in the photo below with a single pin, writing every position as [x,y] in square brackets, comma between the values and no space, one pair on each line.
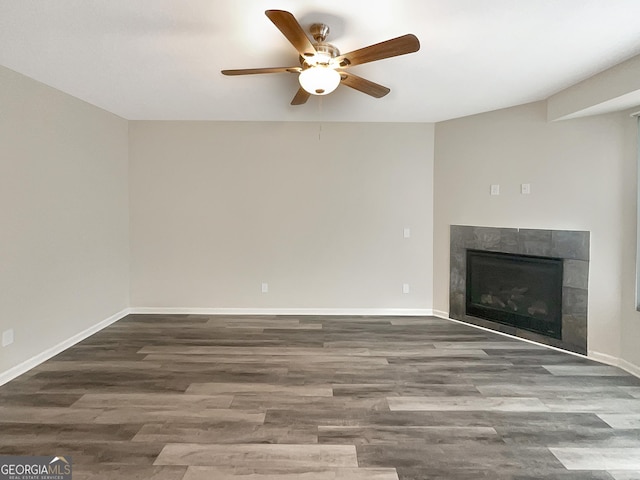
[554,266]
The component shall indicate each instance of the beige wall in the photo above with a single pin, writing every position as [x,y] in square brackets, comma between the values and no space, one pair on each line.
[630,328]
[582,176]
[63,216]
[316,211]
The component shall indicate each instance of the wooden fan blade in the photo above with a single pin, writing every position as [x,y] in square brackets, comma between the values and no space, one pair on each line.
[301,97]
[363,85]
[253,71]
[290,28]
[391,48]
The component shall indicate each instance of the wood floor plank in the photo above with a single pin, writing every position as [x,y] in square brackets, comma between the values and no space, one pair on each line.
[582,404]
[249,350]
[483,404]
[96,365]
[50,433]
[552,391]
[57,415]
[584,370]
[625,474]
[267,401]
[410,435]
[270,360]
[589,458]
[267,324]
[209,473]
[564,436]
[207,415]
[127,472]
[622,421]
[225,433]
[156,400]
[508,345]
[260,388]
[633,391]
[480,457]
[400,389]
[259,456]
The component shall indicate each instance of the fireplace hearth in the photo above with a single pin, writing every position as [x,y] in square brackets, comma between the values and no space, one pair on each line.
[527,283]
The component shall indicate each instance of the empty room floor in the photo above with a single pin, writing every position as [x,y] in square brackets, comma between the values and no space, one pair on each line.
[318,398]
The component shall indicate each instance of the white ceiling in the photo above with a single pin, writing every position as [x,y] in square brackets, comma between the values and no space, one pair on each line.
[161,59]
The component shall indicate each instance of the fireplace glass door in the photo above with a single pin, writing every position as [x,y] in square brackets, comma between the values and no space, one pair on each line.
[518,290]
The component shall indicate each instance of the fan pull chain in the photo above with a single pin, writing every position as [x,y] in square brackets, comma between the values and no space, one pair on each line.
[320,125]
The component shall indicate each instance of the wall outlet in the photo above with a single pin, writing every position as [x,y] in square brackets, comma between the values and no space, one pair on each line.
[406,233]
[7,337]
[405,288]
[525,188]
[495,189]
[265,288]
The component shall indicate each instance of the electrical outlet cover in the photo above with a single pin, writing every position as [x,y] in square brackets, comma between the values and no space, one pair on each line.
[7,337]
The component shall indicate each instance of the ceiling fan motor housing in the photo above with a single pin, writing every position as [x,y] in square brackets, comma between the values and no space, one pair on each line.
[324,51]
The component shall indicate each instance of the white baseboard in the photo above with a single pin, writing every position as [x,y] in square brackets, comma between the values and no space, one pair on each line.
[284,311]
[616,362]
[441,314]
[632,368]
[603,358]
[27,365]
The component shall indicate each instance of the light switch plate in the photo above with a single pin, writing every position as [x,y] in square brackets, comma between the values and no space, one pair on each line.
[495,189]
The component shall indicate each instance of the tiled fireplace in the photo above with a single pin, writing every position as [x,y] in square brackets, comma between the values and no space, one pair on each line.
[529,283]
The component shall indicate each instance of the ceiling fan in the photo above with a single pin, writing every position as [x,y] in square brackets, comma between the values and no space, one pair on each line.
[322,68]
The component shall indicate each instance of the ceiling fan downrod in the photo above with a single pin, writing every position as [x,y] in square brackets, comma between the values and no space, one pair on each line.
[325,52]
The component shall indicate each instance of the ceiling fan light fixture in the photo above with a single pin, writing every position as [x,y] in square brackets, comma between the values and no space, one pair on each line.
[319,80]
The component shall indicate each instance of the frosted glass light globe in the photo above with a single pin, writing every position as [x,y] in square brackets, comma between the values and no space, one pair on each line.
[319,80]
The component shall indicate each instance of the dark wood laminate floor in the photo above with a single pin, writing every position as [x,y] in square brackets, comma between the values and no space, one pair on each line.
[320,398]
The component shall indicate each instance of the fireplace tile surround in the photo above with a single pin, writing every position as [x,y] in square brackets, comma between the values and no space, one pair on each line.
[571,246]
